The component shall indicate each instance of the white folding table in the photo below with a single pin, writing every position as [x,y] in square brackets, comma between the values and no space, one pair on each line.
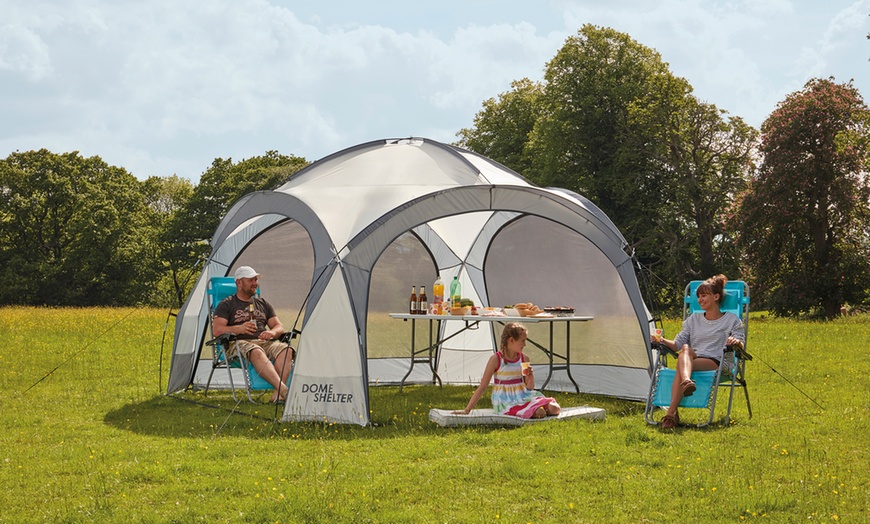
[430,354]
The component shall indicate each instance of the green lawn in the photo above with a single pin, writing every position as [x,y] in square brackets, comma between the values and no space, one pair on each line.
[87,436]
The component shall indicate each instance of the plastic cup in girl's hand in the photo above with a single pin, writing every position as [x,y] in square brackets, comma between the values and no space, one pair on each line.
[658,335]
[526,367]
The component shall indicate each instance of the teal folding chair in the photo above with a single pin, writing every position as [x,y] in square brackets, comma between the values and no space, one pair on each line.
[731,373]
[218,289]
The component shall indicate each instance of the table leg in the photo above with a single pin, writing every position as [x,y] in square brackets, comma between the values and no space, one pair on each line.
[435,359]
[431,352]
[551,353]
[413,352]
[568,355]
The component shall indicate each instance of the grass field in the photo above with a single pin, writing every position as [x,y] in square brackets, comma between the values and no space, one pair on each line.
[86,435]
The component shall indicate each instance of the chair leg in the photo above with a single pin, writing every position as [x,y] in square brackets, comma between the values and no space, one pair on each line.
[232,384]
[712,408]
[650,405]
[746,392]
[210,375]
[246,375]
[730,401]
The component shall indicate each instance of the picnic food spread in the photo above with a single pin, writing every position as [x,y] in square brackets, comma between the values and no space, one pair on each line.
[461,306]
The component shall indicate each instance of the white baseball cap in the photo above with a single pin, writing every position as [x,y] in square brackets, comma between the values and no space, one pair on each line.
[246,272]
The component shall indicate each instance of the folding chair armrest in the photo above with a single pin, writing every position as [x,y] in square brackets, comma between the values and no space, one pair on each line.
[741,352]
[663,349]
[223,339]
[226,338]
[288,336]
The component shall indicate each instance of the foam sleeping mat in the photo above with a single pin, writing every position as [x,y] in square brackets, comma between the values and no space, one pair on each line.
[487,417]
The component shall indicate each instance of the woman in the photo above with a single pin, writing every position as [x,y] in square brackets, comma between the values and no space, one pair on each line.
[701,343]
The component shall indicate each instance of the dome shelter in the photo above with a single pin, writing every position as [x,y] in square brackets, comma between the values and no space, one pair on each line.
[342,241]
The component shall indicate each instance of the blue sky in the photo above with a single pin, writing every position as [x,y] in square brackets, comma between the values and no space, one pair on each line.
[164,87]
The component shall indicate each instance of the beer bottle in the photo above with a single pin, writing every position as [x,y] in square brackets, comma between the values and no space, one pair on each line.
[412,309]
[424,302]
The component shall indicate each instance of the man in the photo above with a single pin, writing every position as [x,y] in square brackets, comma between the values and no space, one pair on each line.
[252,319]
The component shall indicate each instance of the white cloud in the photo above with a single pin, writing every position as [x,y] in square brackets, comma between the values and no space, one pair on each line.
[819,55]
[742,56]
[481,62]
[23,51]
[164,87]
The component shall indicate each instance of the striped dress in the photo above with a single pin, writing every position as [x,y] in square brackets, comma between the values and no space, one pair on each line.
[509,394]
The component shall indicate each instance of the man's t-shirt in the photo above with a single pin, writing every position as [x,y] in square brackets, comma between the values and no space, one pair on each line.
[237,311]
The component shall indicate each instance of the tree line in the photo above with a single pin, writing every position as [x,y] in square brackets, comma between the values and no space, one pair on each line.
[694,190]
[75,231]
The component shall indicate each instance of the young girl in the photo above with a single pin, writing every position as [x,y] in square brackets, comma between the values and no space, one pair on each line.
[514,388]
[701,343]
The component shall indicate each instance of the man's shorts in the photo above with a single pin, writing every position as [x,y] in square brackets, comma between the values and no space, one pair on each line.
[272,348]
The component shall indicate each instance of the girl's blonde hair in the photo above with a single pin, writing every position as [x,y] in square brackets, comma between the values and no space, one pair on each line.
[712,286]
[512,330]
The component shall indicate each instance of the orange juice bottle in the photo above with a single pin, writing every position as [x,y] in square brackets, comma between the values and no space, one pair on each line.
[438,292]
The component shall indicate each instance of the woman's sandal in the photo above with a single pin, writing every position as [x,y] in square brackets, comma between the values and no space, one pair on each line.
[671,421]
[688,387]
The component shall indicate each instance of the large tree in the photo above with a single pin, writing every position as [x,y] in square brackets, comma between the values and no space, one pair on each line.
[710,156]
[166,197]
[607,109]
[804,221]
[73,231]
[501,129]
[613,123]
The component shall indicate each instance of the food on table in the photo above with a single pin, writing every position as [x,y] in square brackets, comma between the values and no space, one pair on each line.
[460,311]
[527,309]
[560,311]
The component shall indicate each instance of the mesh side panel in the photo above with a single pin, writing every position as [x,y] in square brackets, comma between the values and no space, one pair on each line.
[285,258]
[537,260]
[405,263]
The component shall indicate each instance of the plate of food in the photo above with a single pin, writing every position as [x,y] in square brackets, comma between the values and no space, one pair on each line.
[527,309]
[491,312]
[560,311]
